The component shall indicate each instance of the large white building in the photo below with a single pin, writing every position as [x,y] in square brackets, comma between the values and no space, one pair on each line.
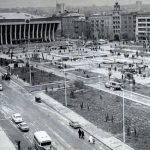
[17,28]
[143,28]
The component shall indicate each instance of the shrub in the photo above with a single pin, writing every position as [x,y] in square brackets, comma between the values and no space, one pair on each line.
[79,84]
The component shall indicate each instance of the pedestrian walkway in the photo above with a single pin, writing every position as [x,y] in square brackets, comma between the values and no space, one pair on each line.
[106,138]
[5,143]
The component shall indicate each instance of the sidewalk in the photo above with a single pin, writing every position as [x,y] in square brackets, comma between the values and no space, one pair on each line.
[106,138]
[6,144]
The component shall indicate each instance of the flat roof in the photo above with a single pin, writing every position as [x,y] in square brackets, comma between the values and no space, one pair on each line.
[18,15]
[42,136]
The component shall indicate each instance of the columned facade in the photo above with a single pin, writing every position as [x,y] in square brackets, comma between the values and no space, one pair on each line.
[23,32]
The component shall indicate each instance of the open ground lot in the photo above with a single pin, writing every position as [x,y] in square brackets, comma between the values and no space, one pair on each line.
[96,105]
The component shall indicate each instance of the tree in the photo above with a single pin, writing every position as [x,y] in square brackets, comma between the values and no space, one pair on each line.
[79,84]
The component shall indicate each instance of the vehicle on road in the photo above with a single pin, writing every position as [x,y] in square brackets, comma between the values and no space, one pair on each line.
[23,127]
[1,87]
[74,124]
[17,118]
[38,99]
[42,141]
[113,85]
[6,76]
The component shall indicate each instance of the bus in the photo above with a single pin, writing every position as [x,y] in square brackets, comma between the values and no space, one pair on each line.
[42,141]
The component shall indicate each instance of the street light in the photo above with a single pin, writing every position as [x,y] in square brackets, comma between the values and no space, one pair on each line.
[66,103]
[123,117]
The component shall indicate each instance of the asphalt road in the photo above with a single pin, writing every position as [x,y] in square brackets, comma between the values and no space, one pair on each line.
[14,99]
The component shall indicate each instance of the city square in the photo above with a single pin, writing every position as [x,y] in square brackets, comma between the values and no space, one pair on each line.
[69,73]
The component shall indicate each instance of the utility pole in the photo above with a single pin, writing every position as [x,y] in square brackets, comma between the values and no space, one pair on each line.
[66,103]
[123,118]
[29,64]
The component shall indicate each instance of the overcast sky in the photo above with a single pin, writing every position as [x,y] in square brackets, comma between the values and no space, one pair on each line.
[47,3]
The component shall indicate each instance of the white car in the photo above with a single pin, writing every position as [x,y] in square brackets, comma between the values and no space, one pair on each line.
[1,87]
[23,127]
[17,118]
[113,85]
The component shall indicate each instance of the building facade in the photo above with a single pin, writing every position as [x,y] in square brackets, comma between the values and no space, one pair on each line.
[116,17]
[67,23]
[128,26]
[17,28]
[100,26]
[80,28]
[143,28]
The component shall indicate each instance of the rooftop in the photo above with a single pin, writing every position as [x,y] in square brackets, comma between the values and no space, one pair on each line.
[42,136]
[18,15]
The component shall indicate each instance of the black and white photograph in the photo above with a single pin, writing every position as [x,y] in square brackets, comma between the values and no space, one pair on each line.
[74,75]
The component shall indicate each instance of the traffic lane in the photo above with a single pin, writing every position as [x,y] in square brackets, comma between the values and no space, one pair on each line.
[13,133]
[42,121]
[19,103]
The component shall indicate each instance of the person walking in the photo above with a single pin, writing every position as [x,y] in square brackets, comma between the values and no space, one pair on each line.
[79,132]
[82,134]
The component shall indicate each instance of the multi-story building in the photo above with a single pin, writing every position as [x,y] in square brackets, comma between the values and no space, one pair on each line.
[143,28]
[60,7]
[80,28]
[67,23]
[101,26]
[128,25]
[116,17]
[16,28]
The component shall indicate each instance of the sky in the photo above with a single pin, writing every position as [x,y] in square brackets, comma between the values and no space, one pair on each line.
[49,3]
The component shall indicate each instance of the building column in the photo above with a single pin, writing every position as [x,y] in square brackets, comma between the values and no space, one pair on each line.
[29,33]
[37,31]
[6,34]
[42,32]
[10,34]
[53,32]
[15,31]
[20,32]
[1,36]
[45,33]
[49,33]
[33,31]
[24,34]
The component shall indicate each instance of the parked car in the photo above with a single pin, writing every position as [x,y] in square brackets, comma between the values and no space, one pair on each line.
[113,85]
[17,118]
[1,87]
[74,125]
[23,127]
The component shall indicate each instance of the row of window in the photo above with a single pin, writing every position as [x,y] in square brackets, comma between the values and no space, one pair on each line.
[116,22]
[144,29]
[143,20]
[144,24]
[116,27]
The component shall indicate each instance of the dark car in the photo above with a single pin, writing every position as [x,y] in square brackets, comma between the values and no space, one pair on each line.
[38,99]
[74,125]
[6,76]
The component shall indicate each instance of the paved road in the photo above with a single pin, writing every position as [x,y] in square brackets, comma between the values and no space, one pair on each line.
[14,99]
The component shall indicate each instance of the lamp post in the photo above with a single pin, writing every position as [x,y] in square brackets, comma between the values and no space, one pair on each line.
[123,117]
[29,63]
[66,103]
